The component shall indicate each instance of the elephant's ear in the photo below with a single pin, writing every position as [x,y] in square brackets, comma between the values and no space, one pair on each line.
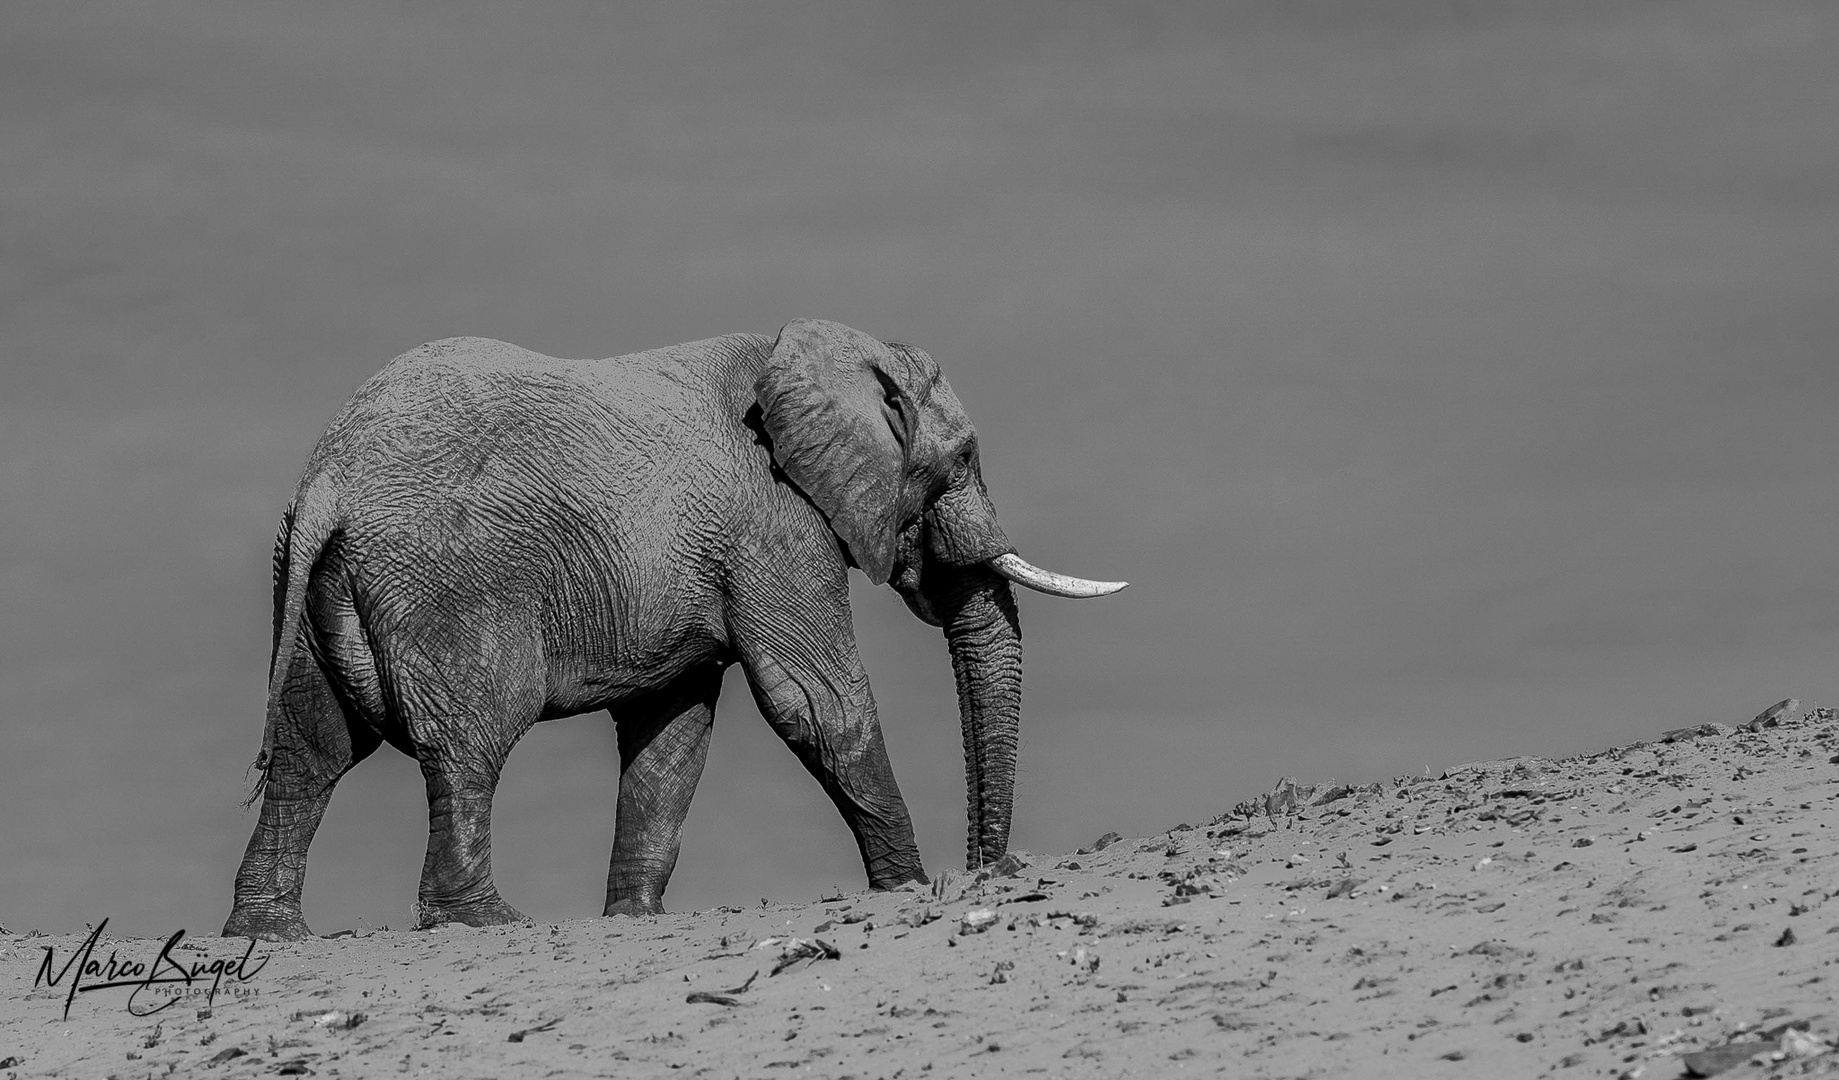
[838,430]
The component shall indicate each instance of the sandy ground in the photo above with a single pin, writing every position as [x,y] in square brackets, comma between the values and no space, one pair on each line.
[1658,910]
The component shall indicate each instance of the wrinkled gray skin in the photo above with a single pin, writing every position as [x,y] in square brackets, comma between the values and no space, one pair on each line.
[487,537]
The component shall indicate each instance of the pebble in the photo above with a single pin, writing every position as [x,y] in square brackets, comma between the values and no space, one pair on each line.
[977,921]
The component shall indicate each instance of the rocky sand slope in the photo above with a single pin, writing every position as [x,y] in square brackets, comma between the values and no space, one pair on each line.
[1658,910]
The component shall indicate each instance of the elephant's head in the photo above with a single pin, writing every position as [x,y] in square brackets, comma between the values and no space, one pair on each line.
[875,437]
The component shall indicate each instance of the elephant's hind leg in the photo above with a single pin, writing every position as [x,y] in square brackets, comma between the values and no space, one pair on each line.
[456,875]
[462,736]
[311,743]
[662,747]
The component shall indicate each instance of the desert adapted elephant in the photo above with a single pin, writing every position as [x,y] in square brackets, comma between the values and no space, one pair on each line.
[486,537]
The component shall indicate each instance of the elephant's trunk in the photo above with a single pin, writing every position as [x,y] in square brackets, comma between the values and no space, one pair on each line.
[985,638]
[965,588]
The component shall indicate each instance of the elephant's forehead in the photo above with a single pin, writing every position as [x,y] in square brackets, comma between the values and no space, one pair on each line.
[920,376]
[950,423]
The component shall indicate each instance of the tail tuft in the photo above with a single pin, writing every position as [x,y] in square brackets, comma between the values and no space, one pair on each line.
[260,767]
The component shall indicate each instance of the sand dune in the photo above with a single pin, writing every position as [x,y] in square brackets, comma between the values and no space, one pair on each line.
[1655,910]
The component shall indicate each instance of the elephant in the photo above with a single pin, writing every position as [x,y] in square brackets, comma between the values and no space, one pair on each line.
[486,537]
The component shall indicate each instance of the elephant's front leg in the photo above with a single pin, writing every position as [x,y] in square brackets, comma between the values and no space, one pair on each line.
[818,701]
[662,748]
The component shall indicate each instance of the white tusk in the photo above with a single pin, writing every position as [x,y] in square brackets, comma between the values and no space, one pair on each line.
[1018,570]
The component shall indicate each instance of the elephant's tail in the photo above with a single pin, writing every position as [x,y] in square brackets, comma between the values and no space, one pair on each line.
[307,526]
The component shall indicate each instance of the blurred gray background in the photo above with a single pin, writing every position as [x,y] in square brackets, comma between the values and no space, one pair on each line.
[1450,380]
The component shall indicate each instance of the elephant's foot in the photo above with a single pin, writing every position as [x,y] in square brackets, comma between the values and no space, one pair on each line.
[489,911]
[890,879]
[634,905]
[267,925]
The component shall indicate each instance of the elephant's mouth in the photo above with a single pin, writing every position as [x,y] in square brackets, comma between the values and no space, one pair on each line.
[909,573]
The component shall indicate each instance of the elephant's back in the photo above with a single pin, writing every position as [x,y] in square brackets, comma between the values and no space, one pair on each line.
[445,394]
[463,411]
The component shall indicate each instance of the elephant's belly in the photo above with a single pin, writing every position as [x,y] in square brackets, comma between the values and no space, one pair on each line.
[614,673]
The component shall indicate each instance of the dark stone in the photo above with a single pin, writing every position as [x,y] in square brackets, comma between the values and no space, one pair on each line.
[1100,844]
[1008,866]
[1776,713]
[1717,1059]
